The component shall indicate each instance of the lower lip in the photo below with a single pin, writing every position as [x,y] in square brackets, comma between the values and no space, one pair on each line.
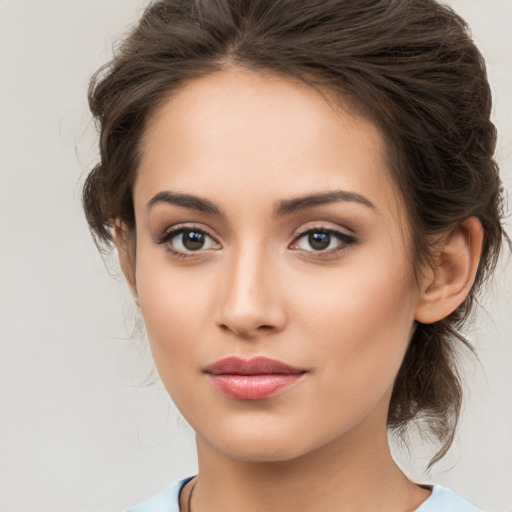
[254,387]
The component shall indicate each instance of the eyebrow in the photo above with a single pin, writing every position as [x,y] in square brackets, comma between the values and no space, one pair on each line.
[284,207]
[289,206]
[185,200]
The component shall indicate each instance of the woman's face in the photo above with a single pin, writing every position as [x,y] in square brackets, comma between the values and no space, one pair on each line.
[268,227]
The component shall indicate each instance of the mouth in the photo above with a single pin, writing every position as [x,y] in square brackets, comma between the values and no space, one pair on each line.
[254,379]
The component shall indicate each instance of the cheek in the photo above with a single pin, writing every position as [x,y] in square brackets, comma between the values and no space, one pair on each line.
[368,295]
[360,321]
[175,309]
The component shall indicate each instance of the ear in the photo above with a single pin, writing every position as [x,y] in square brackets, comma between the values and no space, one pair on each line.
[448,283]
[125,250]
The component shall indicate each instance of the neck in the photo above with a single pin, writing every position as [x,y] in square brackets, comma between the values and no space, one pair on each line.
[350,473]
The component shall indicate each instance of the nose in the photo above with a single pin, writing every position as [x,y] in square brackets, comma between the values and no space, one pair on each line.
[251,302]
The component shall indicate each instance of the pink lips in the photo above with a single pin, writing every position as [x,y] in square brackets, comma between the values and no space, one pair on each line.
[253,379]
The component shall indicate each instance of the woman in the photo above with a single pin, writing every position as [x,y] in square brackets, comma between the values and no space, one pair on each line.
[305,204]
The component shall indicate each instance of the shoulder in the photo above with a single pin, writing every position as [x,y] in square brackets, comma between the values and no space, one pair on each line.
[443,499]
[165,501]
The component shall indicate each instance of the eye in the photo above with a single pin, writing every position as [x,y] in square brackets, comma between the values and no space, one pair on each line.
[183,241]
[322,240]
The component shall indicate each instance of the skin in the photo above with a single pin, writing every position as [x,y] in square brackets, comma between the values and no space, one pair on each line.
[246,142]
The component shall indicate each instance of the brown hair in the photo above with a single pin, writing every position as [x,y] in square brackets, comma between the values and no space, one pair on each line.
[413,68]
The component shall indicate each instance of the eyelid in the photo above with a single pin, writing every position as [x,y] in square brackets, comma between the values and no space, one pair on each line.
[182,226]
[325,227]
[174,230]
[345,240]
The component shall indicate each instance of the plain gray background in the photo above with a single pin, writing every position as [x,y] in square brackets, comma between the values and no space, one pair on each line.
[78,431]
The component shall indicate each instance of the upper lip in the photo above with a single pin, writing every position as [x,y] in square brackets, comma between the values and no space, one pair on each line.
[254,366]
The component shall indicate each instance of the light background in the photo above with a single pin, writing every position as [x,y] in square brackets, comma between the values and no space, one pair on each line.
[77,430]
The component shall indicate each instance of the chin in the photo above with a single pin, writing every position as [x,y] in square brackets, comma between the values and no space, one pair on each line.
[266,451]
[264,443]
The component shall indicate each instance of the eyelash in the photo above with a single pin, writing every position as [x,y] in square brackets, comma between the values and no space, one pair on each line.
[345,241]
[168,235]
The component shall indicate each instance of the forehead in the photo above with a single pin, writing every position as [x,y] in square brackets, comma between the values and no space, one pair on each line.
[261,134]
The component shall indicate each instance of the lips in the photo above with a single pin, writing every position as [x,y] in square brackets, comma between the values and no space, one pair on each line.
[254,379]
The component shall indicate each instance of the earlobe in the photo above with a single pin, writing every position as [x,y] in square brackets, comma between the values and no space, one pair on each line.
[125,254]
[446,286]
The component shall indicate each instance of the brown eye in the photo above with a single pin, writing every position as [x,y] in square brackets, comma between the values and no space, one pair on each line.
[319,241]
[193,240]
[184,241]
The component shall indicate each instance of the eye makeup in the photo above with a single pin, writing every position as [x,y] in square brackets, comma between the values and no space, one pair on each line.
[185,241]
[192,241]
[322,240]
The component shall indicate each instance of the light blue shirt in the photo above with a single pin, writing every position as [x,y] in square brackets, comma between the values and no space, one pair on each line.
[441,500]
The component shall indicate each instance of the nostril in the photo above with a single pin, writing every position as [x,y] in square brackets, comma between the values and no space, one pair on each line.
[241,331]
